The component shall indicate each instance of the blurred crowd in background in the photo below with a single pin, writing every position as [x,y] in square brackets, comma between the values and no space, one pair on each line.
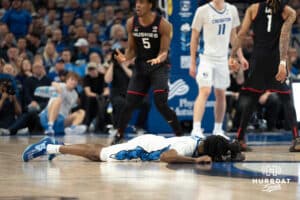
[42,40]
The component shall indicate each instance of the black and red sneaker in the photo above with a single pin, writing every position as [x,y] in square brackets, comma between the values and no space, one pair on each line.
[244,146]
[295,145]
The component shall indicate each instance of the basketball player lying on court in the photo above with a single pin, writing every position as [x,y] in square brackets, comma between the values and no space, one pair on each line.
[184,149]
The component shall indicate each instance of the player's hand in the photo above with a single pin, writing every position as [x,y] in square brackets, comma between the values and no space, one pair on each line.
[193,70]
[119,56]
[244,63]
[282,73]
[203,160]
[154,61]
[233,64]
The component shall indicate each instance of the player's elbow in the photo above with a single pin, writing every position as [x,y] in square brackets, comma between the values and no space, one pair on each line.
[168,157]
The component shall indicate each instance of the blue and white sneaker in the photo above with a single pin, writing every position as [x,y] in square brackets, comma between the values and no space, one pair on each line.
[50,131]
[36,150]
[52,156]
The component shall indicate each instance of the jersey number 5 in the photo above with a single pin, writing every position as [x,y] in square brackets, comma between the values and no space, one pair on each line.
[146,43]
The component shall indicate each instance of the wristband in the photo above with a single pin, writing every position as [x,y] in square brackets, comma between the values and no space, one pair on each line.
[283,62]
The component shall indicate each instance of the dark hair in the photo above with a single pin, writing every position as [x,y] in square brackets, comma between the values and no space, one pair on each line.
[220,149]
[153,2]
[275,5]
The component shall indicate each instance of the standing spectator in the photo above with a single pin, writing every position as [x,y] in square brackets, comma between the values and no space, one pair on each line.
[96,93]
[9,104]
[118,75]
[17,19]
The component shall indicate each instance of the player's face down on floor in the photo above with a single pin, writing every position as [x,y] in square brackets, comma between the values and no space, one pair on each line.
[142,7]
[220,149]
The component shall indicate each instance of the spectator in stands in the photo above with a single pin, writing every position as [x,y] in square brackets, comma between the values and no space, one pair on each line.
[118,75]
[57,39]
[56,70]
[82,56]
[22,46]
[117,34]
[49,55]
[12,56]
[7,42]
[38,78]
[97,59]
[5,5]
[17,19]
[9,103]
[57,116]
[95,7]
[88,20]
[67,20]
[34,42]
[126,8]
[51,19]
[96,93]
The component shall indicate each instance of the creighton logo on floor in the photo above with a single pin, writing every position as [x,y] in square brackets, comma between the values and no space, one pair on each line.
[271,182]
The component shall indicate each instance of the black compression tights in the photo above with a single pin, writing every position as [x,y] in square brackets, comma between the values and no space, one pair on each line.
[160,99]
[247,104]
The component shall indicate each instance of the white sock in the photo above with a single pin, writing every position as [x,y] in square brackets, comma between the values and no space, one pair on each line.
[218,127]
[53,149]
[50,124]
[197,126]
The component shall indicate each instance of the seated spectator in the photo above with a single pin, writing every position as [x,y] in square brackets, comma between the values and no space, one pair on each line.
[17,19]
[38,78]
[22,46]
[54,72]
[25,72]
[69,66]
[57,117]
[50,55]
[96,93]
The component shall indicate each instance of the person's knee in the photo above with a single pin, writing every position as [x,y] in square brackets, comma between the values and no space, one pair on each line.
[204,91]
[80,113]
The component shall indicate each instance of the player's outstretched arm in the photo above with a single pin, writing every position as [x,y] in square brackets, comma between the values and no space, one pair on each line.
[165,30]
[172,156]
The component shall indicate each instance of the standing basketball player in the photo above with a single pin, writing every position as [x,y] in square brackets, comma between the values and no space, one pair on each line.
[272,22]
[218,21]
[149,37]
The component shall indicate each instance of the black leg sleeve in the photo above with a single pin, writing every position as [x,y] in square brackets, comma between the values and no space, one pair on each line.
[289,113]
[132,102]
[161,103]
[246,106]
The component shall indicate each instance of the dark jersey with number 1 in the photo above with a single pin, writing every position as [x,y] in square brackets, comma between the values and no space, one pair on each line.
[267,29]
[266,55]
